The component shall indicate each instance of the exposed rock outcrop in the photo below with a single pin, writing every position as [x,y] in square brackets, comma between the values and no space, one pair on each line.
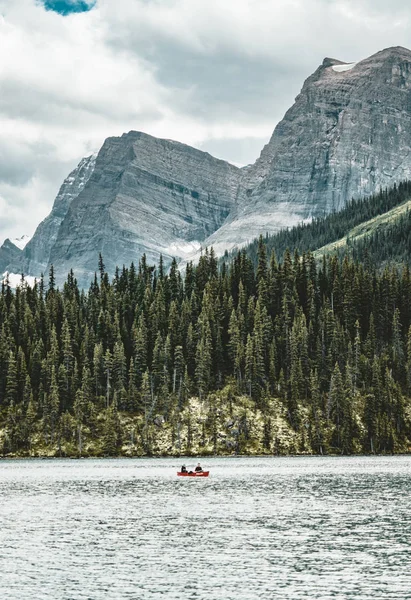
[35,257]
[146,195]
[347,134]
[9,254]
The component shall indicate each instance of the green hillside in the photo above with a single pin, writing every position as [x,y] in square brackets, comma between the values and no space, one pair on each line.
[374,228]
[386,239]
[297,357]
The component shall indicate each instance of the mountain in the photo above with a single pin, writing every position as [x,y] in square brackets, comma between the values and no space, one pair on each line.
[347,134]
[375,230]
[381,241]
[9,254]
[144,195]
[36,255]
[21,242]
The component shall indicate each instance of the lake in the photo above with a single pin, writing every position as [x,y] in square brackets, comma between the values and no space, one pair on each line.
[287,528]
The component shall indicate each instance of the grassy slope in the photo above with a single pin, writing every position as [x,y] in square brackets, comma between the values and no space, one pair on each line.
[223,424]
[365,229]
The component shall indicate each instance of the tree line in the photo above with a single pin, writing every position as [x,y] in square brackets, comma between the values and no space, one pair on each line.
[337,225]
[328,345]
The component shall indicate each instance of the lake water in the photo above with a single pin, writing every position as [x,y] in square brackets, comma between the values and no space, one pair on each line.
[263,528]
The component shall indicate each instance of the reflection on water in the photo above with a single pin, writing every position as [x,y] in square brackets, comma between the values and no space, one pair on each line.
[256,528]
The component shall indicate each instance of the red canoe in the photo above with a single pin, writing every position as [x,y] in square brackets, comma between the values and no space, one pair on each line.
[200,474]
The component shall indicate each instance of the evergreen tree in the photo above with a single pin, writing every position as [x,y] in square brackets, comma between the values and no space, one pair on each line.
[320,351]
[11,396]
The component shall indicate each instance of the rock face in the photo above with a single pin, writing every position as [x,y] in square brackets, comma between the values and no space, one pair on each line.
[21,242]
[145,195]
[347,135]
[9,254]
[36,255]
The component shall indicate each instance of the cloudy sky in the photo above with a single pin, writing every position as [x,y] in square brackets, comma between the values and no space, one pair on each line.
[217,74]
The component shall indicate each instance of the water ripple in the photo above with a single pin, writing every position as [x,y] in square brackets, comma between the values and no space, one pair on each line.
[287,528]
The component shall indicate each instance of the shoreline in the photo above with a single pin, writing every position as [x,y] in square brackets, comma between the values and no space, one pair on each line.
[203,457]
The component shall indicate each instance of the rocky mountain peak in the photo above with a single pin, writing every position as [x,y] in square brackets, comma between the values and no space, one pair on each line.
[396,52]
[347,134]
[9,253]
[330,62]
[145,195]
[34,257]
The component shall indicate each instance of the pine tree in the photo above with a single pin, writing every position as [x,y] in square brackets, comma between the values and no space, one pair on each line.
[11,396]
[119,374]
[133,396]
[178,372]
[316,417]
[140,348]
[111,435]
[51,408]
[31,418]
[79,410]
[337,406]
[108,368]
[236,347]
[250,365]
[204,360]
[98,367]
[148,402]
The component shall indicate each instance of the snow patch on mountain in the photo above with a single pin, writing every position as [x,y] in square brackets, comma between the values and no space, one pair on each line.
[21,242]
[343,68]
[182,249]
[15,281]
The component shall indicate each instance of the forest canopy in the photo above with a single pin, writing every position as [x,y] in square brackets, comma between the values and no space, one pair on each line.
[284,357]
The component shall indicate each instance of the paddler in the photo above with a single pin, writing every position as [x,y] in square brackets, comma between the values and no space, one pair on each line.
[199,468]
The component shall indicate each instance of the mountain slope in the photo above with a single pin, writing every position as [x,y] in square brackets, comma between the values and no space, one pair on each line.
[34,257]
[21,242]
[9,254]
[373,229]
[146,195]
[347,135]
[36,254]
[366,232]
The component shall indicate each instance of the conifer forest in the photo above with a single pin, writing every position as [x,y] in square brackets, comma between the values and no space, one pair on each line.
[282,356]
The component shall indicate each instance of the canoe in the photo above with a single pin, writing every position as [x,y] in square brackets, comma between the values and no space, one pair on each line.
[200,474]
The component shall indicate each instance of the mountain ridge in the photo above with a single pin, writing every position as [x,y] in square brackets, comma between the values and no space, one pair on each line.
[145,187]
[341,233]
[333,162]
[34,257]
[347,134]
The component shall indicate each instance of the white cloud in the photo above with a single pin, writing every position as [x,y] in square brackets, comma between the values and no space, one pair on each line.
[215,74]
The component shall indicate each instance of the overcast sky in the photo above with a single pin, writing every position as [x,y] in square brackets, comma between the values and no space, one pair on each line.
[217,74]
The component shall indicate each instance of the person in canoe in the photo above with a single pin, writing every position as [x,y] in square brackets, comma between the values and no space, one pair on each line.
[183,469]
[199,468]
